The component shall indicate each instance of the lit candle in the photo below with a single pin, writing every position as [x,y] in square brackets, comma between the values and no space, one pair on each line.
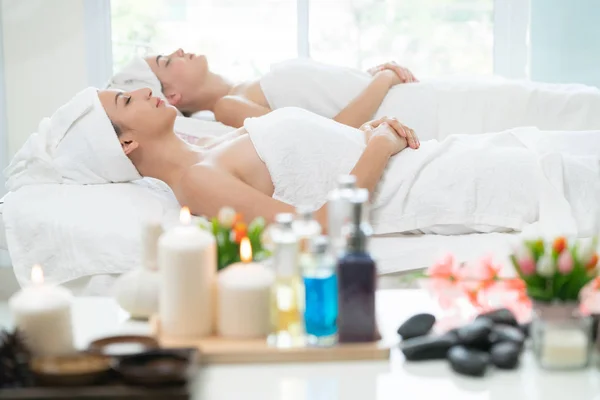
[187,263]
[43,313]
[244,291]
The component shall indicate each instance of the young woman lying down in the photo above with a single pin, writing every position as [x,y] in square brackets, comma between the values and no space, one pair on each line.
[434,108]
[505,181]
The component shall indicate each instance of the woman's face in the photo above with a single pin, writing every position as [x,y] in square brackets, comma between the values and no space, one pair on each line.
[139,116]
[181,74]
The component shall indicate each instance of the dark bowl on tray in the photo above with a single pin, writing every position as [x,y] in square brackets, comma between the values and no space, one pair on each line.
[154,368]
[75,370]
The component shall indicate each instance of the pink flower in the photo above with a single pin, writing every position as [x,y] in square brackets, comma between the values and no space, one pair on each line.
[525,260]
[484,270]
[565,262]
[527,266]
[443,269]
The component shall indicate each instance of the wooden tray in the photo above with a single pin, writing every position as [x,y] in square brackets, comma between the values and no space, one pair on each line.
[113,389]
[217,350]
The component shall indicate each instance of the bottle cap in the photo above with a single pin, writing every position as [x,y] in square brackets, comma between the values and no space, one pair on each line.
[284,219]
[320,245]
[346,182]
[359,229]
[304,213]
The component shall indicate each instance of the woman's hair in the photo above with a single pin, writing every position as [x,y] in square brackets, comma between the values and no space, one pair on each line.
[117,129]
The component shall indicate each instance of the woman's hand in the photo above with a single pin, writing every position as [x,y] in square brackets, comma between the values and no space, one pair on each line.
[396,73]
[399,136]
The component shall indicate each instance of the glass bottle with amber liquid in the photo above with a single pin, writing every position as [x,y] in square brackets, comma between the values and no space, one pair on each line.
[286,315]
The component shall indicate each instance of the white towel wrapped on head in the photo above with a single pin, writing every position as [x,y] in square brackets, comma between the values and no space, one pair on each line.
[77,145]
[137,75]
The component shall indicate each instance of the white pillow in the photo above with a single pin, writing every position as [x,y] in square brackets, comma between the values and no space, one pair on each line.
[79,230]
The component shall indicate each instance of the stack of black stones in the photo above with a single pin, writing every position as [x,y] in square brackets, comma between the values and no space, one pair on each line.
[493,338]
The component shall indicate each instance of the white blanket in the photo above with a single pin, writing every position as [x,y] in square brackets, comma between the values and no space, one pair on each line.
[441,107]
[524,179]
[77,230]
[516,179]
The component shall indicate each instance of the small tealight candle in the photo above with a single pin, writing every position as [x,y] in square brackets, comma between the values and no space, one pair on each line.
[187,264]
[244,291]
[564,348]
[43,313]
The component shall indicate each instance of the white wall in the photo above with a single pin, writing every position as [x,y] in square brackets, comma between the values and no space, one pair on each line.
[44,61]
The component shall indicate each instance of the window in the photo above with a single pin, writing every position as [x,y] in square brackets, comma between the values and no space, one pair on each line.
[432,37]
[242,38]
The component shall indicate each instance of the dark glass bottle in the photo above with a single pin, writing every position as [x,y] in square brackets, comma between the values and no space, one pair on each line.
[357,277]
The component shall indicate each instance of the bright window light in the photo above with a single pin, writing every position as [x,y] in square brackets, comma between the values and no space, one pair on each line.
[243,38]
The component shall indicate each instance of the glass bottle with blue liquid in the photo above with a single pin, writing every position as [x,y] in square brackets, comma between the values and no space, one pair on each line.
[321,295]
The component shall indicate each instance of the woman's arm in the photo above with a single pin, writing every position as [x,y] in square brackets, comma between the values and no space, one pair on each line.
[206,190]
[362,108]
[233,110]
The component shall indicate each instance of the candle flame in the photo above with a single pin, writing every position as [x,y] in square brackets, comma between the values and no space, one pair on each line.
[185,216]
[245,250]
[37,274]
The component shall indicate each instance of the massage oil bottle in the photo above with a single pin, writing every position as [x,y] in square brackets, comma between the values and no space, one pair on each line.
[356,277]
[320,286]
[306,229]
[286,315]
[338,212]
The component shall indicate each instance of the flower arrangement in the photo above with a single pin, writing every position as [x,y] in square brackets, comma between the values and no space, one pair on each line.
[556,271]
[478,284]
[229,228]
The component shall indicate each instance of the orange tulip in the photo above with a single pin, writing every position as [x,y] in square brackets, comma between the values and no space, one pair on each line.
[560,243]
[593,262]
[238,218]
[240,230]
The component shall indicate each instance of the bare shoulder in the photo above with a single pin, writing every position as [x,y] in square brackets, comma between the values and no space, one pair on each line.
[205,188]
[193,185]
[252,91]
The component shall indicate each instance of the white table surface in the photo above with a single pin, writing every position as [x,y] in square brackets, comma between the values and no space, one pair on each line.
[390,380]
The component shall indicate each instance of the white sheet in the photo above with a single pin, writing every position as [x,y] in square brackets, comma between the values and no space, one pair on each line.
[75,230]
[440,107]
[399,253]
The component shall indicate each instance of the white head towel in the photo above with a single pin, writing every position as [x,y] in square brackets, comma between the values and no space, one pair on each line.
[137,75]
[77,145]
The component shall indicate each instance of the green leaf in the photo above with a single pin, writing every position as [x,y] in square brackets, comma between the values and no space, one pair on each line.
[537,293]
[559,285]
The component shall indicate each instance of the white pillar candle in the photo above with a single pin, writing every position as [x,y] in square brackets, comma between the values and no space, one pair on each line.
[43,313]
[564,348]
[187,263]
[244,291]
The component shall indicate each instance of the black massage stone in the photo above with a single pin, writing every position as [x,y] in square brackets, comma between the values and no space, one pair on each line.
[508,333]
[476,334]
[417,325]
[505,355]
[467,361]
[428,347]
[500,316]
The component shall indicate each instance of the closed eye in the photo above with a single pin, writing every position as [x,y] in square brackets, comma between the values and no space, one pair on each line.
[128,100]
[168,62]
